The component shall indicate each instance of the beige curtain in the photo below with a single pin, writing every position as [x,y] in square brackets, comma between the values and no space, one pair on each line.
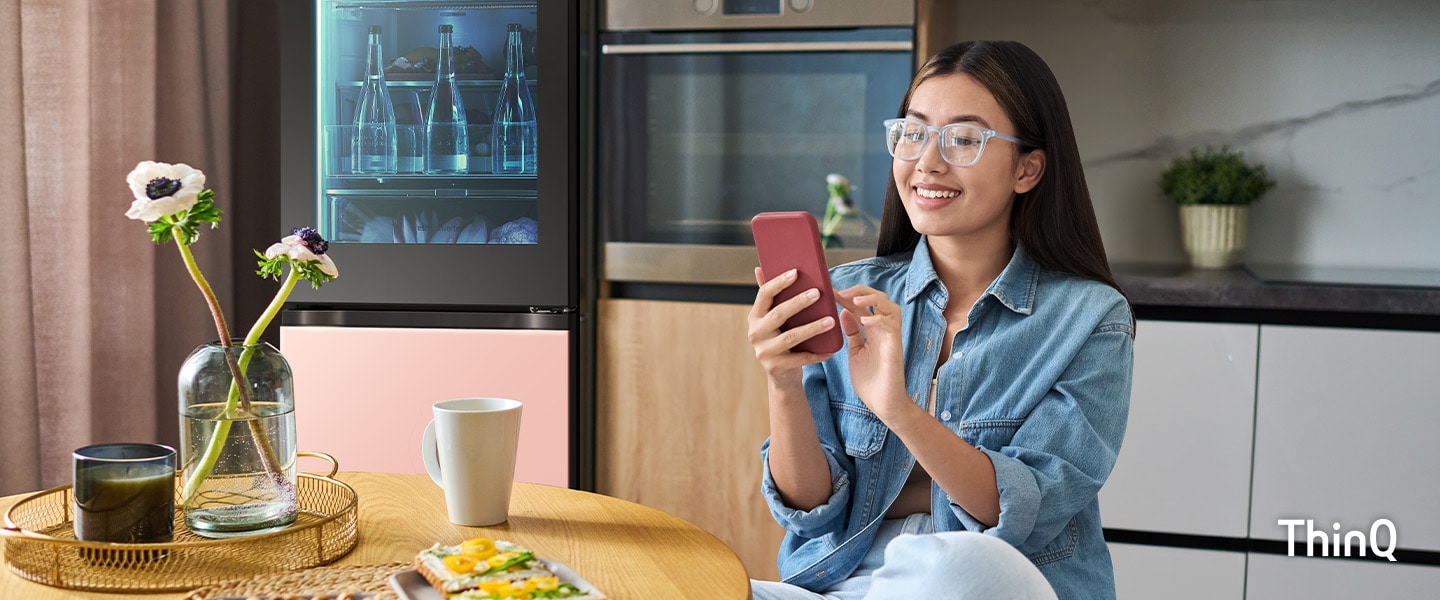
[94,318]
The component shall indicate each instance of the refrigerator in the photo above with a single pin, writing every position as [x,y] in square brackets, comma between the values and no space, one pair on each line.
[469,277]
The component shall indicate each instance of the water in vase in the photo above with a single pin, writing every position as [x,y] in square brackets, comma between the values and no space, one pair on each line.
[239,496]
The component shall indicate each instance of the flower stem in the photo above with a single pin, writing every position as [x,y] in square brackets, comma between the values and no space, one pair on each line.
[256,330]
[215,312]
[239,393]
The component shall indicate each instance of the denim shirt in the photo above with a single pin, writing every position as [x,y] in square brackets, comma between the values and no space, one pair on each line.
[1038,379]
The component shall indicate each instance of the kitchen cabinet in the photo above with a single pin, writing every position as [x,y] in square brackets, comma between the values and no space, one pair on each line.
[1329,424]
[1345,432]
[1279,576]
[1184,466]
[1149,572]
[680,416]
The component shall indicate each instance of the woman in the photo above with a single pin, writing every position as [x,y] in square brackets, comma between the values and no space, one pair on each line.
[983,389]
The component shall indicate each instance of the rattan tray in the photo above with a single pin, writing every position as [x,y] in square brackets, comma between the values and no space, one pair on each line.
[40,545]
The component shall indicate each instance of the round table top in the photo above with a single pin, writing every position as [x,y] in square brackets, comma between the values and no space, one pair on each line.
[625,549]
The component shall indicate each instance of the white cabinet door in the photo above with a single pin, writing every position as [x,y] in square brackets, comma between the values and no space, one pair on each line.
[1185,464]
[1279,576]
[1346,432]
[1151,572]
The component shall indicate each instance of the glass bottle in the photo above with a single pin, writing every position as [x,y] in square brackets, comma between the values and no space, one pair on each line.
[375,147]
[513,135]
[448,141]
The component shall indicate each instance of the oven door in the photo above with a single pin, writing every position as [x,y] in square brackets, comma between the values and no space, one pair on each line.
[698,132]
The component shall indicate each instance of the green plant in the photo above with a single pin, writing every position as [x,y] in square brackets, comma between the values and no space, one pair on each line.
[1214,177]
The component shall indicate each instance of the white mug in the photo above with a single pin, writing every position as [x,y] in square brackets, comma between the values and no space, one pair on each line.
[469,450]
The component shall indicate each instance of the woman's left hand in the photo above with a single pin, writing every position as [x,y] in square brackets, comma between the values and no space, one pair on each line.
[871,324]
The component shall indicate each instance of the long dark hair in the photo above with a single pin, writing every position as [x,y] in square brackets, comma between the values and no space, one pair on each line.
[1054,222]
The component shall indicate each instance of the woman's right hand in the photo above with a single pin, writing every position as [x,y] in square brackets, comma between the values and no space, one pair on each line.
[774,348]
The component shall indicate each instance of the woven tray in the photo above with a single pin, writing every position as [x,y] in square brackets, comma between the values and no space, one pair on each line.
[40,545]
[361,579]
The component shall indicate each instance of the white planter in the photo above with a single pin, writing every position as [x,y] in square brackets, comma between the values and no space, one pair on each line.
[1213,234]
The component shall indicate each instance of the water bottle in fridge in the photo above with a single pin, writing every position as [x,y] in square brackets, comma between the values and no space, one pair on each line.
[375,147]
[448,142]
[513,135]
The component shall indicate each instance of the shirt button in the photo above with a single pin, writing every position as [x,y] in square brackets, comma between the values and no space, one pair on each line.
[945,415]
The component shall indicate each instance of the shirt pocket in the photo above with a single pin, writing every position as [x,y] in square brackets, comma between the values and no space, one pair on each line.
[992,434]
[860,430]
[1060,548]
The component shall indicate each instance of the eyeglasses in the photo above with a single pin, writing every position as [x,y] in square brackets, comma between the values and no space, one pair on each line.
[960,143]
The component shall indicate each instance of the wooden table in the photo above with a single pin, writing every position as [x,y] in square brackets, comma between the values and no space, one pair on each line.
[624,549]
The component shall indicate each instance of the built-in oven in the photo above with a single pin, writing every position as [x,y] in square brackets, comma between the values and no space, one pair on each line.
[711,111]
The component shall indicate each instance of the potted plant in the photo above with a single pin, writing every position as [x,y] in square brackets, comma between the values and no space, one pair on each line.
[1214,188]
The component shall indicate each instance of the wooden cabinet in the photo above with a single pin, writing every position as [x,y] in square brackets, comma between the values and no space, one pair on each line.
[680,416]
[1149,572]
[1330,424]
[1345,432]
[1185,464]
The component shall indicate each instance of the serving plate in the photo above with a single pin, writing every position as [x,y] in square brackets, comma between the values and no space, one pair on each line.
[293,597]
[413,586]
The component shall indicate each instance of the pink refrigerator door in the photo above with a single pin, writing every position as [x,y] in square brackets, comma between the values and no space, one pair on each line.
[363,394]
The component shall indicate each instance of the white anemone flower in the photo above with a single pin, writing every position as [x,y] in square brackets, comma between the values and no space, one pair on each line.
[163,189]
[305,245]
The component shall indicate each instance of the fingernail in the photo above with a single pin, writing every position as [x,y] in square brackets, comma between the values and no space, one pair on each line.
[791,273]
[827,322]
[812,294]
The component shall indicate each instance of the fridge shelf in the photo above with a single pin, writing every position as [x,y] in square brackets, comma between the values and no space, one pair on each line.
[438,194]
[420,180]
[394,218]
[429,81]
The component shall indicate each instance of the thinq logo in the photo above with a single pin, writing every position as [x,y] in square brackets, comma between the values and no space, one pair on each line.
[1326,539]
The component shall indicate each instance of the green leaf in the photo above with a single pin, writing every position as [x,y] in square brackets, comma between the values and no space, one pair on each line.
[205,210]
[160,230]
[270,268]
[310,271]
[523,558]
[1214,176]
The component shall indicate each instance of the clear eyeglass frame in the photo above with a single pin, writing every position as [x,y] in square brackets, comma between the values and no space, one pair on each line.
[956,140]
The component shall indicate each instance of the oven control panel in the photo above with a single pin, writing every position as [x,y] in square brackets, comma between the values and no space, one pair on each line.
[649,15]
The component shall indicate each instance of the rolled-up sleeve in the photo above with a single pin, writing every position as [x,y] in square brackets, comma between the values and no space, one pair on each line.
[829,516]
[814,522]
[1054,465]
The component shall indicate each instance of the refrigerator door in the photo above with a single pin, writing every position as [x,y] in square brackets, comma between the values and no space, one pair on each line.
[364,394]
[405,228]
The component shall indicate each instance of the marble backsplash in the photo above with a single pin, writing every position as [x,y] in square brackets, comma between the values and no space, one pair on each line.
[1339,99]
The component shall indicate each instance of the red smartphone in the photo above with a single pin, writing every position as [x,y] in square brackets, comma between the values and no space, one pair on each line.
[791,240]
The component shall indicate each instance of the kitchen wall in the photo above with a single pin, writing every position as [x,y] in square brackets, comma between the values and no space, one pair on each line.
[1339,99]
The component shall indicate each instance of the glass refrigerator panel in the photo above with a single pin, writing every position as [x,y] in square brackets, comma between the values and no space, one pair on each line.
[428,132]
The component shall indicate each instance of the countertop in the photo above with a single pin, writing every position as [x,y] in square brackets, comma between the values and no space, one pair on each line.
[1260,293]
[1240,289]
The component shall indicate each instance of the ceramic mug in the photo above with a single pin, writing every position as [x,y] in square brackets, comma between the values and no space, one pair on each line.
[469,450]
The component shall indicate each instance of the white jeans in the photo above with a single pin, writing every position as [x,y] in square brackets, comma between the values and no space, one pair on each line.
[909,561]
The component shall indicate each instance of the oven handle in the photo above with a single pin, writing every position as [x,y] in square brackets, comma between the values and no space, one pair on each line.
[752,47]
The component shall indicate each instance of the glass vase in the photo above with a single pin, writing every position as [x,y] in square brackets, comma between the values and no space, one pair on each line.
[237,442]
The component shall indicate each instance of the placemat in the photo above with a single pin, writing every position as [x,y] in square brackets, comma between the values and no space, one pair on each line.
[372,579]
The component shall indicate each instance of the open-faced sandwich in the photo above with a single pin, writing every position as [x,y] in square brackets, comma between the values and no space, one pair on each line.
[485,569]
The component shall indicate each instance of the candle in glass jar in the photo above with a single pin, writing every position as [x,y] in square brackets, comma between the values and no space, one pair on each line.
[125,493]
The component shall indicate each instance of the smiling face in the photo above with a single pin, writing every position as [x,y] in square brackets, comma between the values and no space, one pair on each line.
[943,200]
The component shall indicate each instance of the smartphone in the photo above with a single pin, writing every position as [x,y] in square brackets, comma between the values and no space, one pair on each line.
[791,240]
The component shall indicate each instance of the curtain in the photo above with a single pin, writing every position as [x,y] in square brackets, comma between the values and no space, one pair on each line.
[95,319]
